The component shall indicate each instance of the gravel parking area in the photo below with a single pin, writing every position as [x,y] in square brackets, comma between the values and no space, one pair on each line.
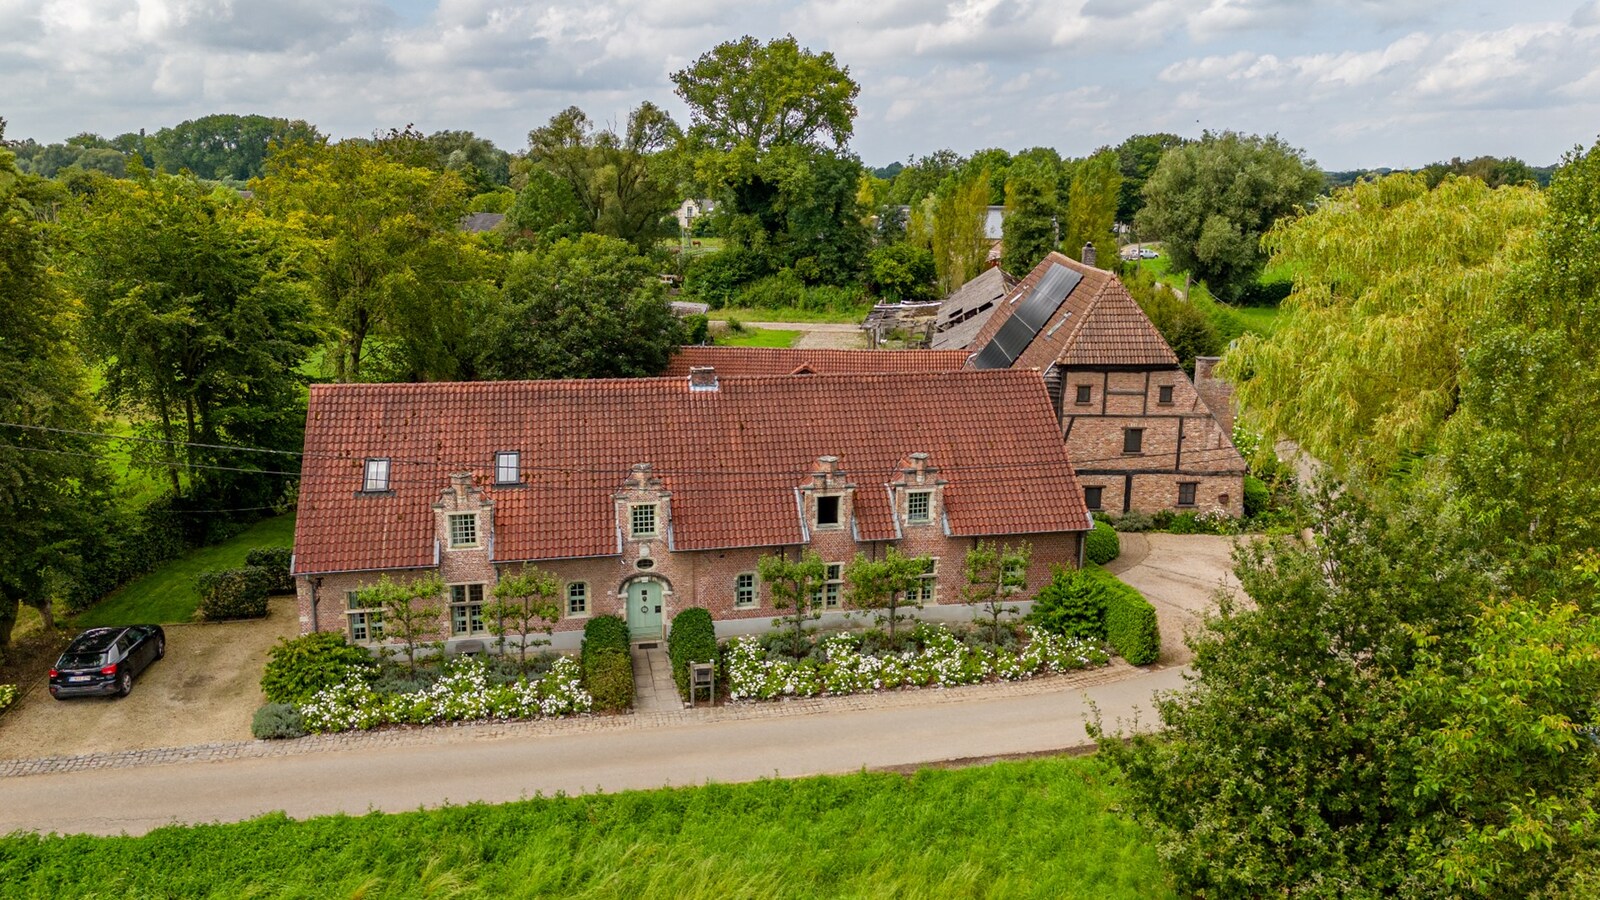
[204,691]
[1180,574]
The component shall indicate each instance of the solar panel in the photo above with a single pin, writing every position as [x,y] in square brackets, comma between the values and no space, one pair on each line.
[1033,314]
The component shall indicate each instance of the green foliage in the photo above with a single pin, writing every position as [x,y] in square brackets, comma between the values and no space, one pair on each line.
[544,211]
[233,593]
[620,186]
[795,586]
[1137,158]
[276,722]
[1134,521]
[603,633]
[1030,224]
[8,696]
[297,668]
[696,328]
[589,308]
[524,604]
[960,209]
[995,575]
[693,639]
[608,677]
[1183,323]
[1257,496]
[275,560]
[1211,201]
[901,272]
[745,96]
[1073,605]
[1091,207]
[716,278]
[1101,545]
[411,611]
[226,146]
[1131,627]
[715,840]
[1393,281]
[886,584]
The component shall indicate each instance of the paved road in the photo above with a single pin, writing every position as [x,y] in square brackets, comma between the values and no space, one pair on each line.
[135,800]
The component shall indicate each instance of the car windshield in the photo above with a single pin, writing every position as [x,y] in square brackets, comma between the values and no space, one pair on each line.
[79,660]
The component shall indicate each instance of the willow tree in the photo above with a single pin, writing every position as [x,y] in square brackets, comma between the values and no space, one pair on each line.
[959,246]
[1391,280]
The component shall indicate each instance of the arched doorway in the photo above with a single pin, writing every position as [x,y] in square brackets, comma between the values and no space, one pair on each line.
[646,607]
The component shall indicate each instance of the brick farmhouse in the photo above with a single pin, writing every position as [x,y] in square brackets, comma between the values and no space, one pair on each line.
[647,496]
[1140,435]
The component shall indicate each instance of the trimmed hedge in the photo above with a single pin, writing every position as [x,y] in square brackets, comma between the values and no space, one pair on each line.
[297,668]
[233,593]
[1131,627]
[1073,605]
[276,722]
[608,676]
[276,561]
[693,639]
[604,633]
[1101,544]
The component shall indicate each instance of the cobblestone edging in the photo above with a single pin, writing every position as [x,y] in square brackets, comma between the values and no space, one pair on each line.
[486,731]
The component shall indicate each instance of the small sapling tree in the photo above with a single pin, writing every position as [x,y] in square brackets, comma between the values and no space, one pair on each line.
[411,611]
[524,604]
[796,586]
[994,576]
[887,584]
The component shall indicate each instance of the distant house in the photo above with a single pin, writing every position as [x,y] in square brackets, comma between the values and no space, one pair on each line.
[478,223]
[1140,434]
[692,209]
[964,312]
[644,497]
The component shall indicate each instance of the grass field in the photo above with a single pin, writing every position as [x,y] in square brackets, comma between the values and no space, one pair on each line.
[758,337]
[1230,321]
[1043,828]
[167,594]
[747,314]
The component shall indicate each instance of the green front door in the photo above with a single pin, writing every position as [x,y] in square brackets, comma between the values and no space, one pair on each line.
[644,611]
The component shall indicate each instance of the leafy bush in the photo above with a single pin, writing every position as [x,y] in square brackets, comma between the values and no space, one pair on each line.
[1257,496]
[900,272]
[1131,627]
[1101,545]
[277,721]
[693,639]
[782,290]
[696,328]
[233,593]
[1134,522]
[297,668]
[276,561]
[8,695]
[1265,293]
[608,676]
[604,633]
[1073,605]
[462,692]
[716,278]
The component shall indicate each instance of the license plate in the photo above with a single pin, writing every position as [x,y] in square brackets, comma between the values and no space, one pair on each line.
[77,678]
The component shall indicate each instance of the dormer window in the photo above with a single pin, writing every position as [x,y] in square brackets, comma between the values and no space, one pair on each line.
[828,512]
[376,478]
[463,530]
[919,507]
[508,467]
[642,520]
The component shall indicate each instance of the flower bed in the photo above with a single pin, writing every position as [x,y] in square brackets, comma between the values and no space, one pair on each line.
[944,660]
[462,693]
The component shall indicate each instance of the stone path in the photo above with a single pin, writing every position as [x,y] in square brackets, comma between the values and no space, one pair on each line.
[653,688]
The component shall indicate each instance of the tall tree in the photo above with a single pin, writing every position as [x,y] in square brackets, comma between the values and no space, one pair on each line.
[748,97]
[621,184]
[1211,201]
[1137,158]
[388,266]
[1030,223]
[960,249]
[1091,207]
[226,146]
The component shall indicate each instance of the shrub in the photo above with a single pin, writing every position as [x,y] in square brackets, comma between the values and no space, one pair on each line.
[783,290]
[1101,545]
[1185,523]
[696,328]
[1257,496]
[1131,627]
[233,593]
[693,639]
[277,721]
[1073,605]
[276,561]
[1265,293]
[299,667]
[603,633]
[1134,522]
[608,676]
[716,278]
[901,271]
[8,696]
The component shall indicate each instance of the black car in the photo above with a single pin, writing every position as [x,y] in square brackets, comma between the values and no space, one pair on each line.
[104,660]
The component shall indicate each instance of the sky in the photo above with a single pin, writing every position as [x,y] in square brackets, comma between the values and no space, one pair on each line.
[1354,83]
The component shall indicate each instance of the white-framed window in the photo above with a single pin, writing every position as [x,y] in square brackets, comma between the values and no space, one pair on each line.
[642,520]
[365,623]
[577,598]
[508,467]
[463,530]
[833,588]
[828,514]
[928,582]
[466,609]
[375,479]
[919,507]
[744,590]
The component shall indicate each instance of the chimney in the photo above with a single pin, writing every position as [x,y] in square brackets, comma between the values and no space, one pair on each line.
[702,378]
[1088,253]
[461,483]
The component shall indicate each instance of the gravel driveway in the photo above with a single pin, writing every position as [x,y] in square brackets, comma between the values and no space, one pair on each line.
[205,690]
[1180,574]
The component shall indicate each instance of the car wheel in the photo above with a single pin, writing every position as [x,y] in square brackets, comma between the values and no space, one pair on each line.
[161,648]
[124,684]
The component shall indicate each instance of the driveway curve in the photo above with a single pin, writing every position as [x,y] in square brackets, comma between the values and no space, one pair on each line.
[1181,575]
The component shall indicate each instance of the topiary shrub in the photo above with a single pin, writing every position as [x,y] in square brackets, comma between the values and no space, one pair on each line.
[604,633]
[233,593]
[276,722]
[1101,544]
[1131,627]
[608,677]
[299,667]
[693,639]
[1073,605]
[276,561]
[1257,496]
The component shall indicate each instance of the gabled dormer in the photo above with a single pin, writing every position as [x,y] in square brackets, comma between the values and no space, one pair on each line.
[918,495]
[644,514]
[463,517]
[827,499]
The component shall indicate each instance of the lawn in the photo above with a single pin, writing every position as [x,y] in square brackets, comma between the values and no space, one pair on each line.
[1043,828]
[848,316]
[168,594]
[1229,320]
[758,337]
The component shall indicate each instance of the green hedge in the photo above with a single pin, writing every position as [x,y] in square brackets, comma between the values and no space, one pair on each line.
[693,639]
[608,677]
[1131,627]
[276,561]
[1093,604]
[299,667]
[233,593]
[276,722]
[604,633]
[1101,544]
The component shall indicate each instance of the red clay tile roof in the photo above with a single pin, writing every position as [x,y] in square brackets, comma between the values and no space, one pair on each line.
[731,459]
[783,361]
[1099,324]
